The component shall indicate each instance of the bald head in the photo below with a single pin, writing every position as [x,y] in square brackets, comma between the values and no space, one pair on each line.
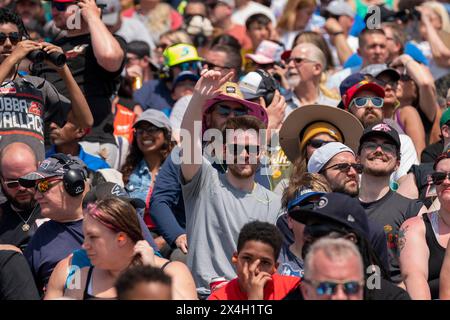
[17,153]
[312,52]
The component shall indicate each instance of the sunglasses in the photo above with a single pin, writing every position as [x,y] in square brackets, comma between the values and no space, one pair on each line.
[385,147]
[62,6]
[330,287]
[14,37]
[189,66]
[212,66]
[12,184]
[345,167]
[317,143]
[44,185]
[148,130]
[238,148]
[226,111]
[362,102]
[384,83]
[439,177]
[319,230]
[298,60]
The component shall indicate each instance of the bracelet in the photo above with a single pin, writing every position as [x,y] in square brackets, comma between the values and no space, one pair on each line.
[337,33]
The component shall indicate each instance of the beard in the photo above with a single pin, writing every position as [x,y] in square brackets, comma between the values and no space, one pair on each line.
[21,205]
[239,173]
[383,171]
[345,188]
[370,118]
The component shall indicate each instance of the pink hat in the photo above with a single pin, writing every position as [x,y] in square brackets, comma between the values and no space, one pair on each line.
[231,92]
[267,52]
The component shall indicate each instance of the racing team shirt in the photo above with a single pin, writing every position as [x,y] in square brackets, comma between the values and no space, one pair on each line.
[26,103]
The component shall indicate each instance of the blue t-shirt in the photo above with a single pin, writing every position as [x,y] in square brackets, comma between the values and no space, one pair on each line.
[289,264]
[93,163]
[52,242]
[154,94]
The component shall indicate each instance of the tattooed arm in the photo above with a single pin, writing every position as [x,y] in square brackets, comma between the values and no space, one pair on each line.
[414,255]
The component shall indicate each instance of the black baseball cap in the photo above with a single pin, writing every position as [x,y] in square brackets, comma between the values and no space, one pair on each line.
[335,208]
[108,190]
[381,129]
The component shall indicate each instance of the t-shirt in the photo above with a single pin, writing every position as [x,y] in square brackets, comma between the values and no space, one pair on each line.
[241,15]
[16,280]
[97,84]
[52,242]
[25,104]
[215,214]
[155,94]
[391,211]
[427,190]
[431,152]
[11,224]
[132,29]
[289,263]
[276,289]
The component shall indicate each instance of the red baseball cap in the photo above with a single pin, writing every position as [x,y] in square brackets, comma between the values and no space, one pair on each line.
[359,86]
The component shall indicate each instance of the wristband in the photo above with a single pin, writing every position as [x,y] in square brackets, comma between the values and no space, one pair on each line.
[338,33]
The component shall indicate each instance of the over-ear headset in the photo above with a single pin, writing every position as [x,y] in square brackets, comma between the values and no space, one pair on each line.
[73,179]
[270,84]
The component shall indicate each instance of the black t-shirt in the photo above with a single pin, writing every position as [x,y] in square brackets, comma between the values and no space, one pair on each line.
[25,105]
[431,152]
[11,224]
[387,291]
[390,212]
[16,280]
[52,242]
[427,191]
[98,84]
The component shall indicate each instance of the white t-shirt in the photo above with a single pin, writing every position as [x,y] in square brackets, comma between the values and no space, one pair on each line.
[133,29]
[241,15]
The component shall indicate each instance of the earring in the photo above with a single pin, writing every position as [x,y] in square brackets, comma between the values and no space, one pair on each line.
[121,237]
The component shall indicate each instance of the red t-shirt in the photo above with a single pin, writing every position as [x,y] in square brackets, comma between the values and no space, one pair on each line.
[276,289]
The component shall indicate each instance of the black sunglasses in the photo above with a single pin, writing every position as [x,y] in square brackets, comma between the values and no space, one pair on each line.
[385,147]
[14,37]
[298,60]
[439,177]
[148,130]
[384,83]
[12,184]
[238,148]
[345,167]
[225,111]
[212,66]
[317,143]
[330,287]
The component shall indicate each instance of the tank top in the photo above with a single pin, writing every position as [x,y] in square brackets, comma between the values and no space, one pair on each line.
[87,294]
[437,253]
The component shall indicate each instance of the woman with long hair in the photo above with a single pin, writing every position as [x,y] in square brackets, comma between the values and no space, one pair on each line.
[113,242]
[151,145]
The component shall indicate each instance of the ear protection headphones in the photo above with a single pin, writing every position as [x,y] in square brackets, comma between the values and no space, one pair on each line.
[73,179]
[270,84]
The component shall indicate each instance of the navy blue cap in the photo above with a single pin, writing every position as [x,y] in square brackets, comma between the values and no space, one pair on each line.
[302,195]
[350,81]
[383,130]
[337,208]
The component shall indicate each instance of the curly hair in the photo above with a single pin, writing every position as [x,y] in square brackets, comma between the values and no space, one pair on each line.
[135,156]
[314,181]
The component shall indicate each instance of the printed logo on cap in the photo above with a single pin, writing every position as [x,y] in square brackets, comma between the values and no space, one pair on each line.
[44,164]
[231,89]
[322,203]
[117,190]
[382,127]
[185,52]
[350,218]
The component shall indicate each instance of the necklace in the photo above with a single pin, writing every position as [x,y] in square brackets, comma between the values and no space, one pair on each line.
[26,226]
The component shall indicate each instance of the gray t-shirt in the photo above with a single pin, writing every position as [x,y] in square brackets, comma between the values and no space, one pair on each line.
[215,214]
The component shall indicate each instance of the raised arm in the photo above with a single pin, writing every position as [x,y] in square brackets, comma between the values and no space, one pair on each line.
[80,108]
[414,255]
[107,49]
[206,88]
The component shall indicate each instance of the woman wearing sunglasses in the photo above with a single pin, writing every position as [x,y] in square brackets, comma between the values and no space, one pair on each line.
[150,147]
[310,127]
[423,239]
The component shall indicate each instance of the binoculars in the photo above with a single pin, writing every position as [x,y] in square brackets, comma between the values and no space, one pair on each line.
[57,58]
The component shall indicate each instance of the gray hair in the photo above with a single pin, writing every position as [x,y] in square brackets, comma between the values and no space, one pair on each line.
[315,54]
[334,249]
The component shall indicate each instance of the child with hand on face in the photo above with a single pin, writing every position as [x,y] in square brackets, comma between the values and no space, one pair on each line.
[258,248]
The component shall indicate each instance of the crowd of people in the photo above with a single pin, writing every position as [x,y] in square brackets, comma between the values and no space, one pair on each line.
[224,149]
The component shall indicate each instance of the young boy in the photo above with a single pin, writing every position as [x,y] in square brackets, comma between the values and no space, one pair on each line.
[258,247]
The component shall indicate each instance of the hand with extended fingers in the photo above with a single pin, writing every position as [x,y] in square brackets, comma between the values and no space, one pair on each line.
[208,86]
[255,280]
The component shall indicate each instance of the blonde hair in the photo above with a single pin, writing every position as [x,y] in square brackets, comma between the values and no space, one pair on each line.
[159,20]
[440,10]
[313,181]
[287,19]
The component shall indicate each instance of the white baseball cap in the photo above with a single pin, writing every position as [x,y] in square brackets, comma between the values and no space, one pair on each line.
[321,156]
[110,14]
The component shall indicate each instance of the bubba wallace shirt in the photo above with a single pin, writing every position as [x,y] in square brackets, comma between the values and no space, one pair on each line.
[25,105]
